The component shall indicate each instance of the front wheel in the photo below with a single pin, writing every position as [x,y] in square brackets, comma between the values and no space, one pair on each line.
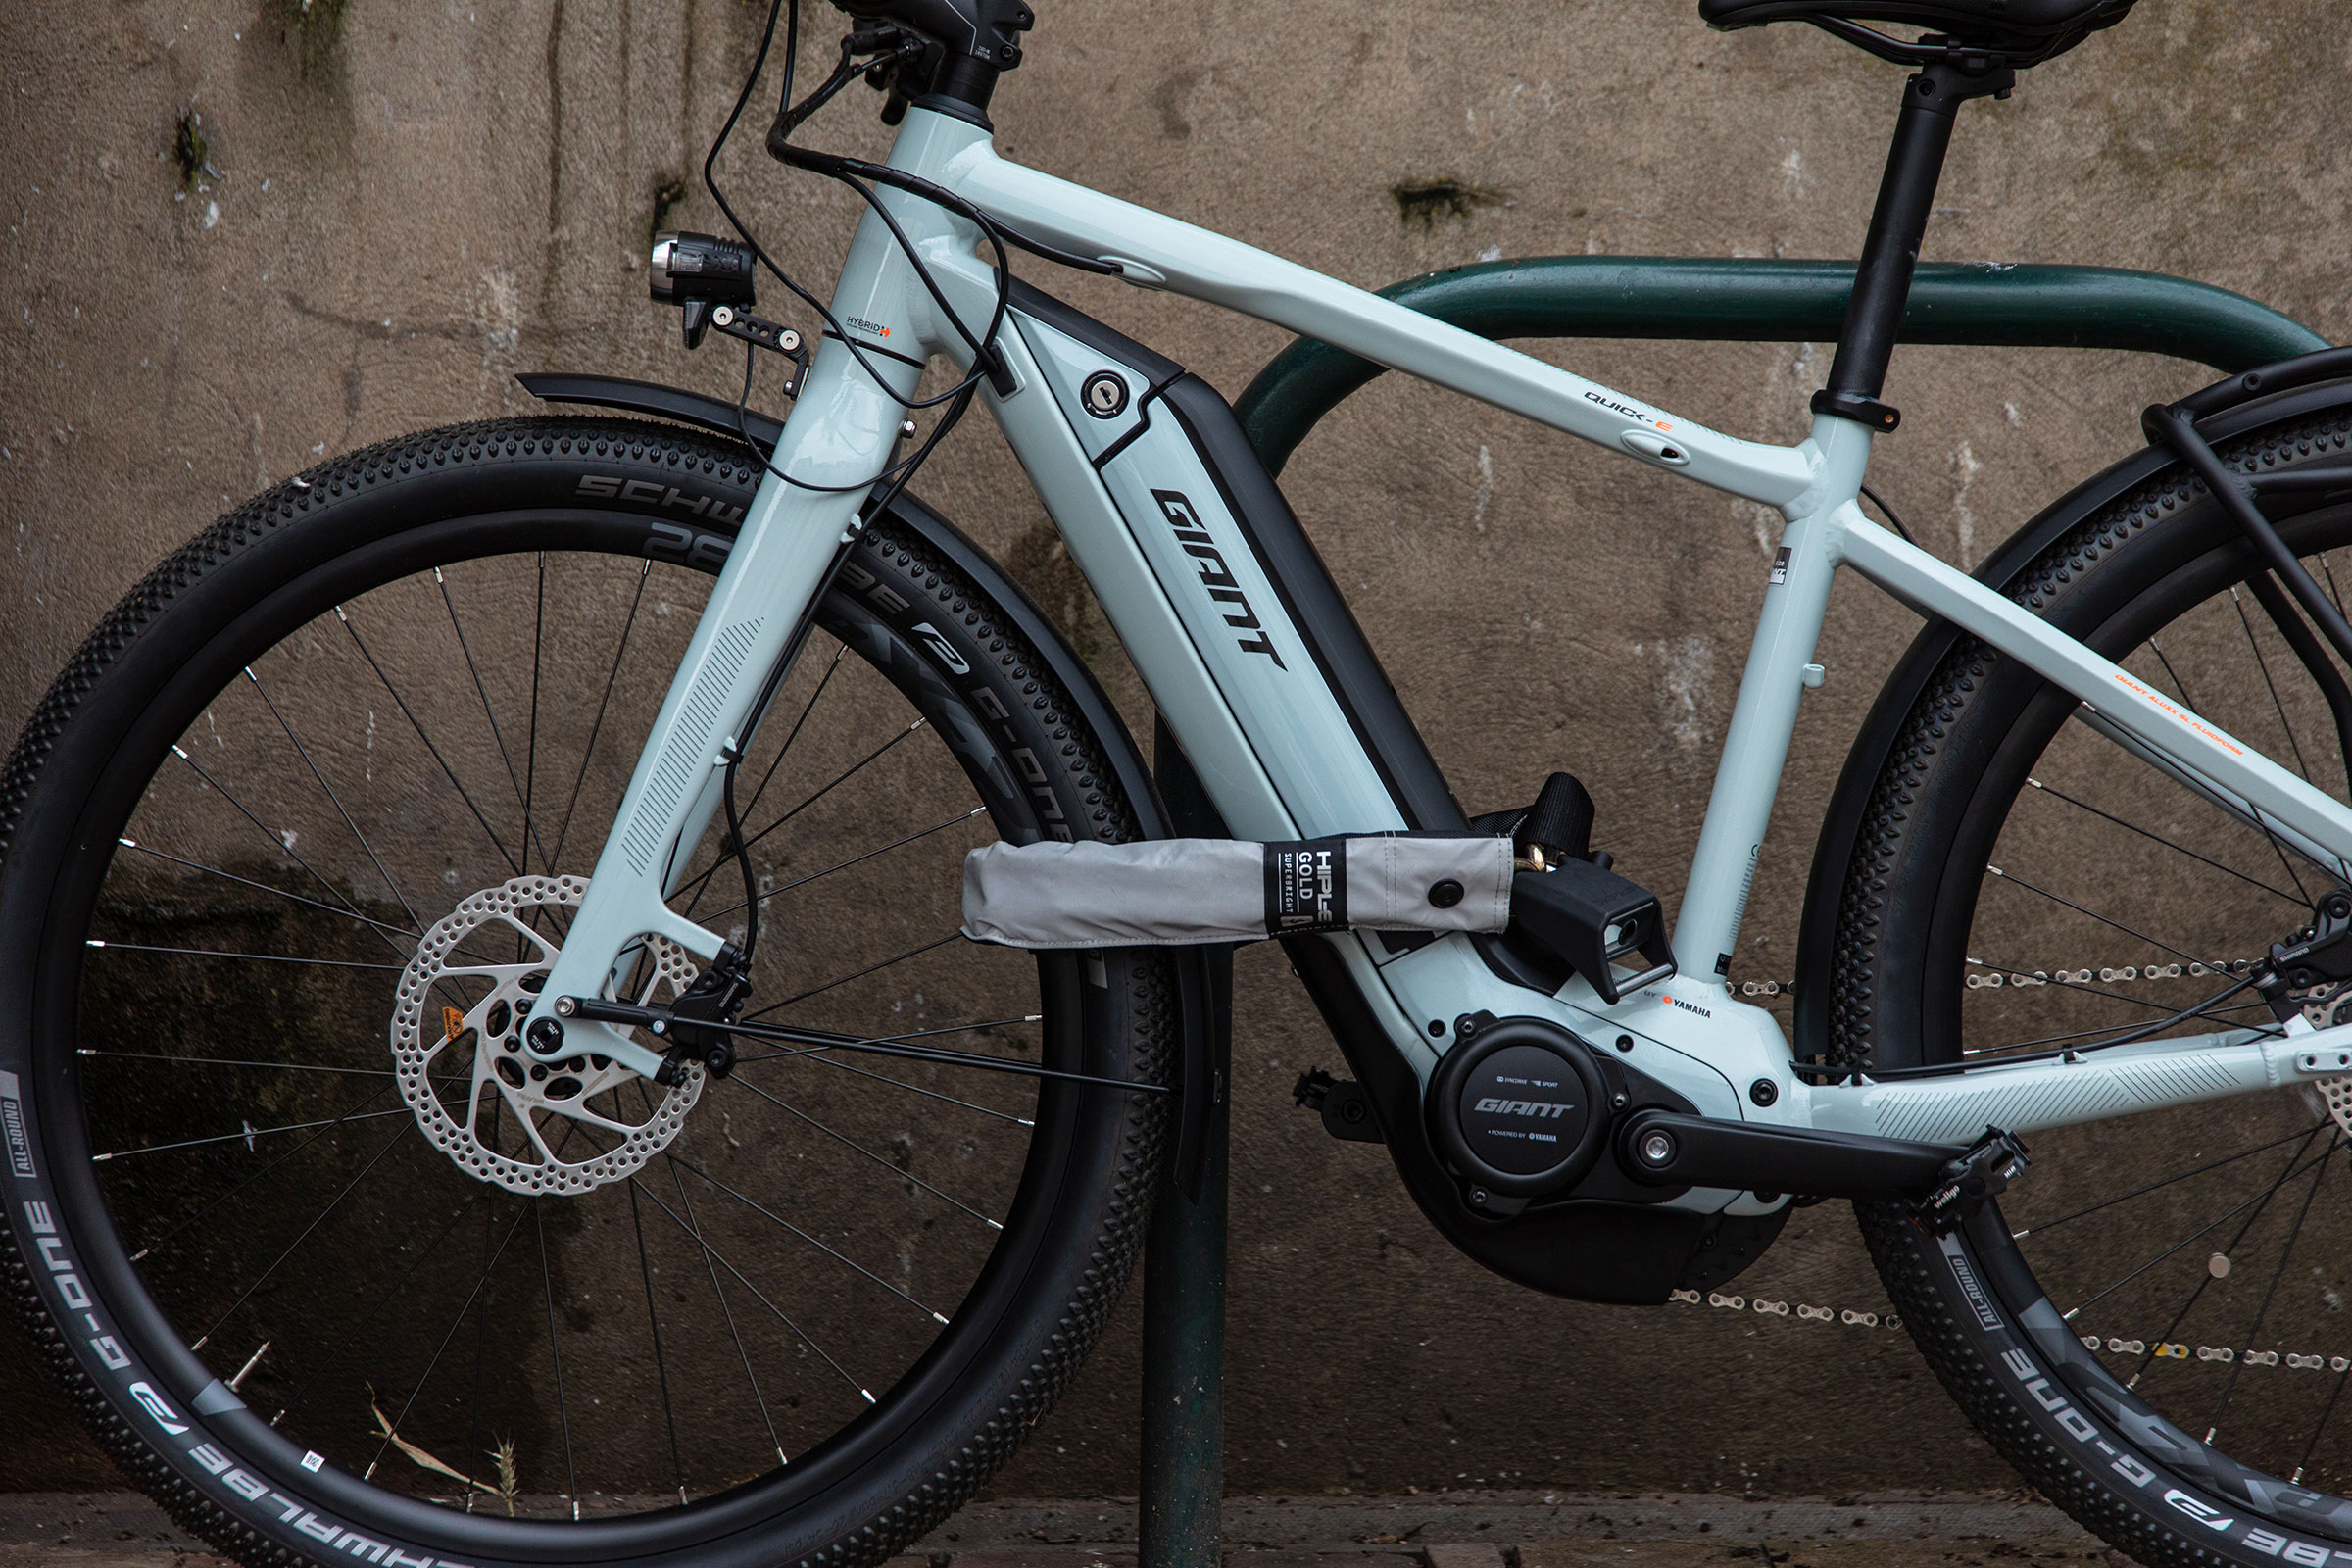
[336,1271]
[2153,1325]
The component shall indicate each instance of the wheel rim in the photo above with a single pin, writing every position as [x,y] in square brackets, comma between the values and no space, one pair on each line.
[2198,1252]
[342,888]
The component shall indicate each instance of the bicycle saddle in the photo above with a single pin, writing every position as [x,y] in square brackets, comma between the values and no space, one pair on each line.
[2024,32]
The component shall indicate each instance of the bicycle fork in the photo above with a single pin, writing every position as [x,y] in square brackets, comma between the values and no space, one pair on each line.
[844,427]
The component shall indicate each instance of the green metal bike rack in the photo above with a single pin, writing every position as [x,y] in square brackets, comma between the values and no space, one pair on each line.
[1740,301]
[1980,305]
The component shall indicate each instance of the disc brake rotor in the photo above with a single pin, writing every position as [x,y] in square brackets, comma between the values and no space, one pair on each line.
[530,1127]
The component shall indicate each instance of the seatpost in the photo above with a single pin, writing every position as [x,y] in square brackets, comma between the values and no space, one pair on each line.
[1874,313]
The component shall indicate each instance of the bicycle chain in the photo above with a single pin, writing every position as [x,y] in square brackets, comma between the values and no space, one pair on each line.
[1994,976]
[2168,1351]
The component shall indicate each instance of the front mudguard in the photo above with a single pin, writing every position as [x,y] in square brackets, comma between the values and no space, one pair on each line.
[2239,409]
[1197,1080]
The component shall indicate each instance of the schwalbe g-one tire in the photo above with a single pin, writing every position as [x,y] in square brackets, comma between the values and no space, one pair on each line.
[220,1470]
[1969,1300]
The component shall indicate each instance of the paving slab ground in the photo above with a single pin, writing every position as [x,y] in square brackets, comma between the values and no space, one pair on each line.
[1446,1529]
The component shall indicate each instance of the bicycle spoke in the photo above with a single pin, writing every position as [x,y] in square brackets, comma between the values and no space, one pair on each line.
[402,702]
[823,1040]
[914,1088]
[2238,602]
[2302,894]
[2141,1191]
[248,1133]
[2259,1198]
[333,800]
[229,1062]
[264,887]
[481,1323]
[218,1199]
[849,1263]
[455,1324]
[248,957]
[407,1263]
[546,1279]
[596,729]
[530,832]
[839,653]
[2260,1203]
[319,1220]
[693,1226]
[2270,1292]
[2326,1411]
[531,745]
[282,843]
[871,968]
[700,883]
[2017,881]
[911,1034]
[2328,570]
[854,859]
[653,1323]
[713,1254]
[2167,843]
[888,1164]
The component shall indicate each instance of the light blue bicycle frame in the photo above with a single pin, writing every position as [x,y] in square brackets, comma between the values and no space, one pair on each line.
[1269,739]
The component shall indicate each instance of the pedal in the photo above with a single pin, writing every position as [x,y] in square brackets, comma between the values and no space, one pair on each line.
[1977,1177]
[1345,1110]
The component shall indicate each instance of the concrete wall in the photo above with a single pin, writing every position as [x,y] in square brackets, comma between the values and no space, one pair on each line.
[398,204]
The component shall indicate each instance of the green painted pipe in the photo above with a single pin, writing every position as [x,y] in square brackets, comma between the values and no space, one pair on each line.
[1769,301]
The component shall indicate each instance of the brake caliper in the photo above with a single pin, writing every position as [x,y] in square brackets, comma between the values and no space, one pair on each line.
[716,999]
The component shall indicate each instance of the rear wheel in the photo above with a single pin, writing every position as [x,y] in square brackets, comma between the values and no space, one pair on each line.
[330,1267]
[2152,1325]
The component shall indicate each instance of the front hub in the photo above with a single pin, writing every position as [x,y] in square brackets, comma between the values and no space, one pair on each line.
[481,1094]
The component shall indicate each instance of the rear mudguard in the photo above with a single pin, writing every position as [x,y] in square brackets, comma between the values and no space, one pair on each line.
[1834,851]
[1196,1082]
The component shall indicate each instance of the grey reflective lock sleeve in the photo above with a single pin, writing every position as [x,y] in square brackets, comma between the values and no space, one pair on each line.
[1176,891]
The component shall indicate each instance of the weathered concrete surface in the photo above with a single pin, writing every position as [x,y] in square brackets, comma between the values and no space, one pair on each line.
[398,204]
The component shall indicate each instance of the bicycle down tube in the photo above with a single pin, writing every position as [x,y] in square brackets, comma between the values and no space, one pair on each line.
[1231,650]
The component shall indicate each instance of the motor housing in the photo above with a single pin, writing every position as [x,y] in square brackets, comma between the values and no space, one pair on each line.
[1519,1110]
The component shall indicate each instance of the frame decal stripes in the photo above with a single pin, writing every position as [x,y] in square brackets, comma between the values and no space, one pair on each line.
[696,715]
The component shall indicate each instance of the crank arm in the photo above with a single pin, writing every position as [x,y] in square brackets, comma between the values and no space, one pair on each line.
[658,1021]
[1664,1148]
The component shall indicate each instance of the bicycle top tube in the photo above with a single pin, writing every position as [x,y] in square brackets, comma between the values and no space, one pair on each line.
[1155,251]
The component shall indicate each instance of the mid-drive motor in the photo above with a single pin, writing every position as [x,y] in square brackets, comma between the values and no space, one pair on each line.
[1519,1110]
